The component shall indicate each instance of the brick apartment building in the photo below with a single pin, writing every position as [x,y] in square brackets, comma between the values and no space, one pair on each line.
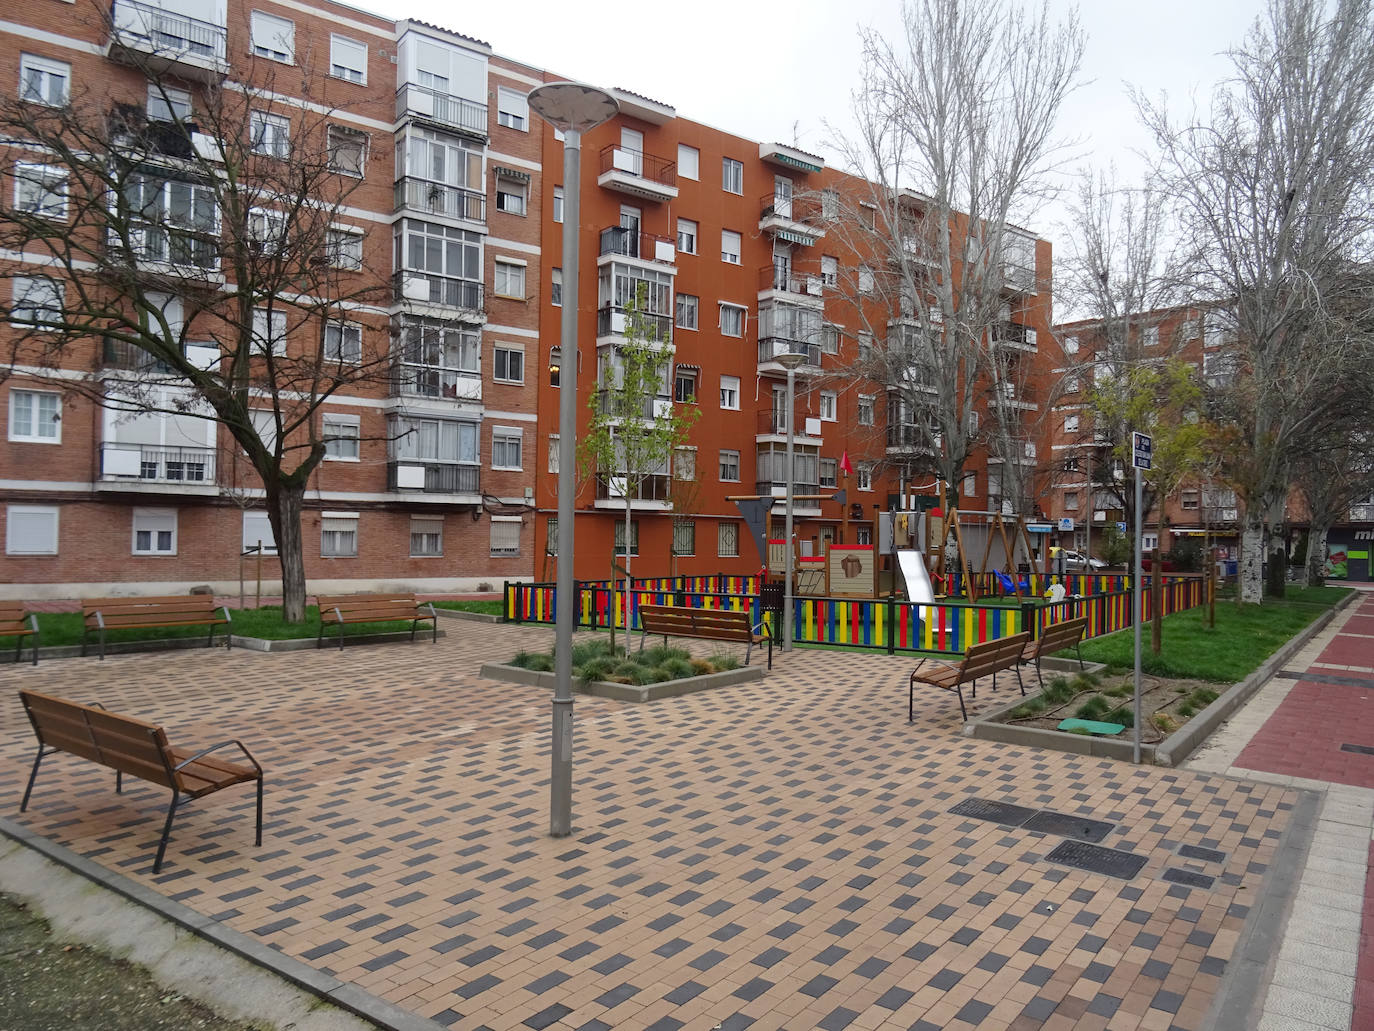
[440,475]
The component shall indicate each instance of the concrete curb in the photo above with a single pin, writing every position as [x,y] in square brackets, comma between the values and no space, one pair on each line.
[626,692]
[474,617]
[252,644]
[345,996]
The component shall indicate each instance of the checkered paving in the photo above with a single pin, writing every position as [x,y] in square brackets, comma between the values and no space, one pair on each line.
[774,854]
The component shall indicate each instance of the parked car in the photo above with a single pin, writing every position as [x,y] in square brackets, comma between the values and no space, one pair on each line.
[1077,562]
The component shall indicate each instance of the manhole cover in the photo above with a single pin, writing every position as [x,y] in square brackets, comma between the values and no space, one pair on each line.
[1358,749]
[997,812]
[1096,859]
[1206,855]
[1189,878]
[1067,826]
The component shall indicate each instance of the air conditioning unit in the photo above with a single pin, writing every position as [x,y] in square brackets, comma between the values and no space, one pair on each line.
[415,288]
[410,477]
[664,250]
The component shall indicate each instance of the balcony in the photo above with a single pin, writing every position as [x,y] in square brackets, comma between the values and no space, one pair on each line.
[771,347]
[440,199]
[614,405]
[773,423]
[1363,513]
[1218,515]
[149,463]
[796,285]
[164,42]
[1022,396]
[612,321]
[1018,278]
[617,241]
[439,383]
[796,220]
[653,492]
[442,109]
[1013,335]
[432,288]
[637,174]
[433,477]
[776,489]
[122,355]
[909,439]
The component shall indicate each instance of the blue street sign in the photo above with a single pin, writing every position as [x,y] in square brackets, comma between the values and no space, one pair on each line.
[1142,448]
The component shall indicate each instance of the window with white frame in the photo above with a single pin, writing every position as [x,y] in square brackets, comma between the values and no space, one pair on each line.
[729,393]
[511,195]
[339,535]
[830,338]
[347,149]
[509,280]
[167,103]
[1070,424]
[830,471]
[830,271]
[269,331]
[732,175]
[512,109]
[551,536]
[553,452]
[506,442]
[347,59]
[270,135]
[35,416]
[343,342]
[727,540]
[426,536]
[687,309]
[1151,336]
[619,537]
[1071,501]
[730,247]
[556,287]
[38,302]
[31,530]
[970,487]
[257,529]
[558,204]
[686,236]
[684,535]
[829,404]
[1071,345]
[863,536]
[273,38]
[830,204]
[731,320]
[44,81]
[40,190]
[505,536]
[865,279]
[508,363]
[154,531]
[685,385]
[688,162]
[864,473]
[865,346]
[264,422]
[266,229]
[729,466]
[341,435]
[345,248]
[865,413]
[685,463]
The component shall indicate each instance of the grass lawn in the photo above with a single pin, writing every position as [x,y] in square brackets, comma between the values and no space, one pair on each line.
[490,607]
[1243,638]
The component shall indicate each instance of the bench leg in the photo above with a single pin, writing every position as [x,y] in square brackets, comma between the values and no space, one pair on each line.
[33,775]
[258,840]
[748,651]
[210,641]
[959,690]
[911,699]
[770,653]
[1077,647]
[166,831]
[1019,682]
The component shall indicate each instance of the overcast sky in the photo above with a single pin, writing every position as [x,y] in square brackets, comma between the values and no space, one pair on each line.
[771,71]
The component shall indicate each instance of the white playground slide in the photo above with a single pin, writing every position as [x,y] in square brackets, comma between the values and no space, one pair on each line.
[914,575]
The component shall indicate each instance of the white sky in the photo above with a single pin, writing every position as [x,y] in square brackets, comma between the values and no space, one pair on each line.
[778,72]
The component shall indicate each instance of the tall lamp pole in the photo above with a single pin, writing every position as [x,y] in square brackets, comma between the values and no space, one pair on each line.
[572,108]
[789,361]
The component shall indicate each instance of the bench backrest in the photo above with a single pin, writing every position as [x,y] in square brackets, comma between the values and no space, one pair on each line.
[403,604]
[1061,635]
[172,608]
[12,615]
[993,656]
[724,624]
[122,743]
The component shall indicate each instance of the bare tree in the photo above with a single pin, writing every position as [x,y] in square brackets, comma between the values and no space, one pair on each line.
[180,254]
[1332,480]
[1273,190]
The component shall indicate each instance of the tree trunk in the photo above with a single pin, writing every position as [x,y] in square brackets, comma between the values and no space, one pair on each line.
[284,512]
[628,510]
[1276,549]
[1251,556]
[1316,556]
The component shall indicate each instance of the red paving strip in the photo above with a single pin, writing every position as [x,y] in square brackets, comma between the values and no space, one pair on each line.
[1304,736]
[1364,973]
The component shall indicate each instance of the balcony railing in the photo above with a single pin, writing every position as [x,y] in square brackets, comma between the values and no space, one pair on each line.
[1218,514]
[630,243]
[1362,513]
[166,34]
[909,436]
[804,282]
[771,347]
[766,487]
[1014,334]
[612,321]
[613,404]
[184,250]
[636,163]
[438,477]
[153,464]
[774,421]
[440,199]
[443,108]
[432,288]
[793,209]
[430,381]
[652,488]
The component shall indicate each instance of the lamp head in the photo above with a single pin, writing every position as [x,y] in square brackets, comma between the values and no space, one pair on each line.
[572,105]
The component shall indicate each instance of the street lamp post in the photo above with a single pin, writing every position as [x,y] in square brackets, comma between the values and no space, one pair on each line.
[789,361]
[573,109]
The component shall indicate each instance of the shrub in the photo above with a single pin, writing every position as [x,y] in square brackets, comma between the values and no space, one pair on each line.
[1203,697]
[1057,691]
[1165,723]
[1092,709]
[522,659]
[627,671]
[723,661]
[597,668]
[540,663]
[701,667]
[1123,714]
[677,668]
[1186,709]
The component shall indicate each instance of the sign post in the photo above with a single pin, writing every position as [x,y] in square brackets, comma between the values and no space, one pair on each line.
[1142,448]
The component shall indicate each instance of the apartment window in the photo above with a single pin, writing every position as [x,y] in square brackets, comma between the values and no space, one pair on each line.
[509,280]
[864,475]
[868,214]
[269,331]
[685,386]
[830,339]
[865,279]
[730,247]
[266,229]
[556,288]
[865,346]
[426,537]
[732,175]
[828,404]
[345,248]
[511,195]
[347,150]
[348,59]
[512,109]
[619,546]
[1189,500]
[729,393]
[865,409]
[343,342]
[155,531]
[551,536]
[684,536]
[505,536]
[31,530]
[36,416]
[685,463]
[558,204]
[970,487]
[271,134]
[1071,501]
[44,81]
[686,236]
[687,311]
[506,443]
[688,162]
[1151,336]
[339,535]
[38,302]
[40,190]
[727,540]
[341,435]
[273,38]
[830,271]
[1071,384]
[264,421]
[167,103]
[830,204]
[729,466]
[1071,465]
[731,320]
[553,452]
[1070,424]
[1071,345]
[257,529]
[508,363]
[830,472]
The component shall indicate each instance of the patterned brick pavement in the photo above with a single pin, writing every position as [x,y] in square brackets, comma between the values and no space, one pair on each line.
[776,854]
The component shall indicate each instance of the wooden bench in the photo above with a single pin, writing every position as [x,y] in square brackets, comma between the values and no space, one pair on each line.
[1056,638]
[17,622]
[339,609]
[102,614]
[708,624]
[989,657]
[140,749]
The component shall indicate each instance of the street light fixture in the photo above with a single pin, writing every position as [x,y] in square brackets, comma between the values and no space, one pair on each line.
[572,108]
[789,360]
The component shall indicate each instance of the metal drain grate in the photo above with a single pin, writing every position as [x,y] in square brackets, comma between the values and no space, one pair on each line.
[1358,749]
[997,812]
[1067,826]
[1206,855]
[1096,859]
[1188,878]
